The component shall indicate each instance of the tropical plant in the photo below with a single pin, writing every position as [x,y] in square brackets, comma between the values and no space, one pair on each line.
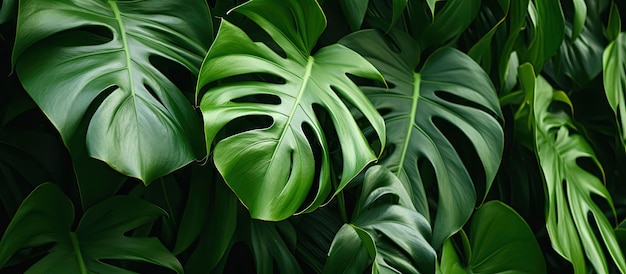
[304,136]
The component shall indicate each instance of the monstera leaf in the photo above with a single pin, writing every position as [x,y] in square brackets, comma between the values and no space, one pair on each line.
[272,169]
[386,231]
[546,30]
[573,216]
[499,241]
[47,216]
[450,89]
[96,60]
[614,68]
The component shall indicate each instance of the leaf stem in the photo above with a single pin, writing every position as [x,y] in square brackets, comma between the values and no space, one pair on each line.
[79,254]
[342,207]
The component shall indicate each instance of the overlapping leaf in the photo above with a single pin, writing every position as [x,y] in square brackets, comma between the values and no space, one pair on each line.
[385,232]
[546,31]
[273,169]
[450,87]
[572,215]
[94,60]
[614,72]
[499,241]
[47,215]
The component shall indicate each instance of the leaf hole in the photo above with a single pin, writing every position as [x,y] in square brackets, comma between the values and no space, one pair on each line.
[316,148]
[154,94]
[259,98]
[468,154]
[428,178]
[455,99]
[244,124]
[178,74]
[332,140]
[81,36]
[588,164]
[256,33]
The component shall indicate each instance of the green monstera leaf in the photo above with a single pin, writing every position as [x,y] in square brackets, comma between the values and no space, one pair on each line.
[573,217]
[499,241]
[96,61]
[272,169]
[452,90]
[386,231]
[47,216]
[614,68]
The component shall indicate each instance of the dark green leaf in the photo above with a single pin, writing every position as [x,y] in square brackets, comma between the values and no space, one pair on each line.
[47,215]
[580,59]
[442,31]
[500,242]
[546,30]
[450,87]
[70,55]
[274,162]
[274,244]
[396,238]
[8,9]
[354,11]
[614,27]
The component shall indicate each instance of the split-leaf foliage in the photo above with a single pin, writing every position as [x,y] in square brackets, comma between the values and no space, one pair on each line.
[304,136]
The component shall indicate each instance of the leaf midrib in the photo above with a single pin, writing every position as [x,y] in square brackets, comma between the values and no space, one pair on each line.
[78,253]
[126,48]
[414,99]
[296,103]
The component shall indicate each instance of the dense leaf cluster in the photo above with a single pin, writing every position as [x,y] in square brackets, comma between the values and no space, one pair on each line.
[304,136]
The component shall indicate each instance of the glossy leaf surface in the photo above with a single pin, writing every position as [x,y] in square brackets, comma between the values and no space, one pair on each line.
[47,215]
[569,186]
[75,55]
[614,68]
[450,89]
[499,241]
[395,236]
[275,163]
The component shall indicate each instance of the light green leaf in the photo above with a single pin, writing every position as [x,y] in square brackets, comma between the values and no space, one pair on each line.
[276,162]
[499,241]
[614,73]
[450,89]
[95,61]
[47,215]
[396,238]
[569,186]
[580,15]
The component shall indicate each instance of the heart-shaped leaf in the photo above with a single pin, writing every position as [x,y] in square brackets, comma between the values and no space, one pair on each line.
[499,241]
[396,238]
[450,89]
[96,60]
[573,217]
[276,163]
[47,215]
